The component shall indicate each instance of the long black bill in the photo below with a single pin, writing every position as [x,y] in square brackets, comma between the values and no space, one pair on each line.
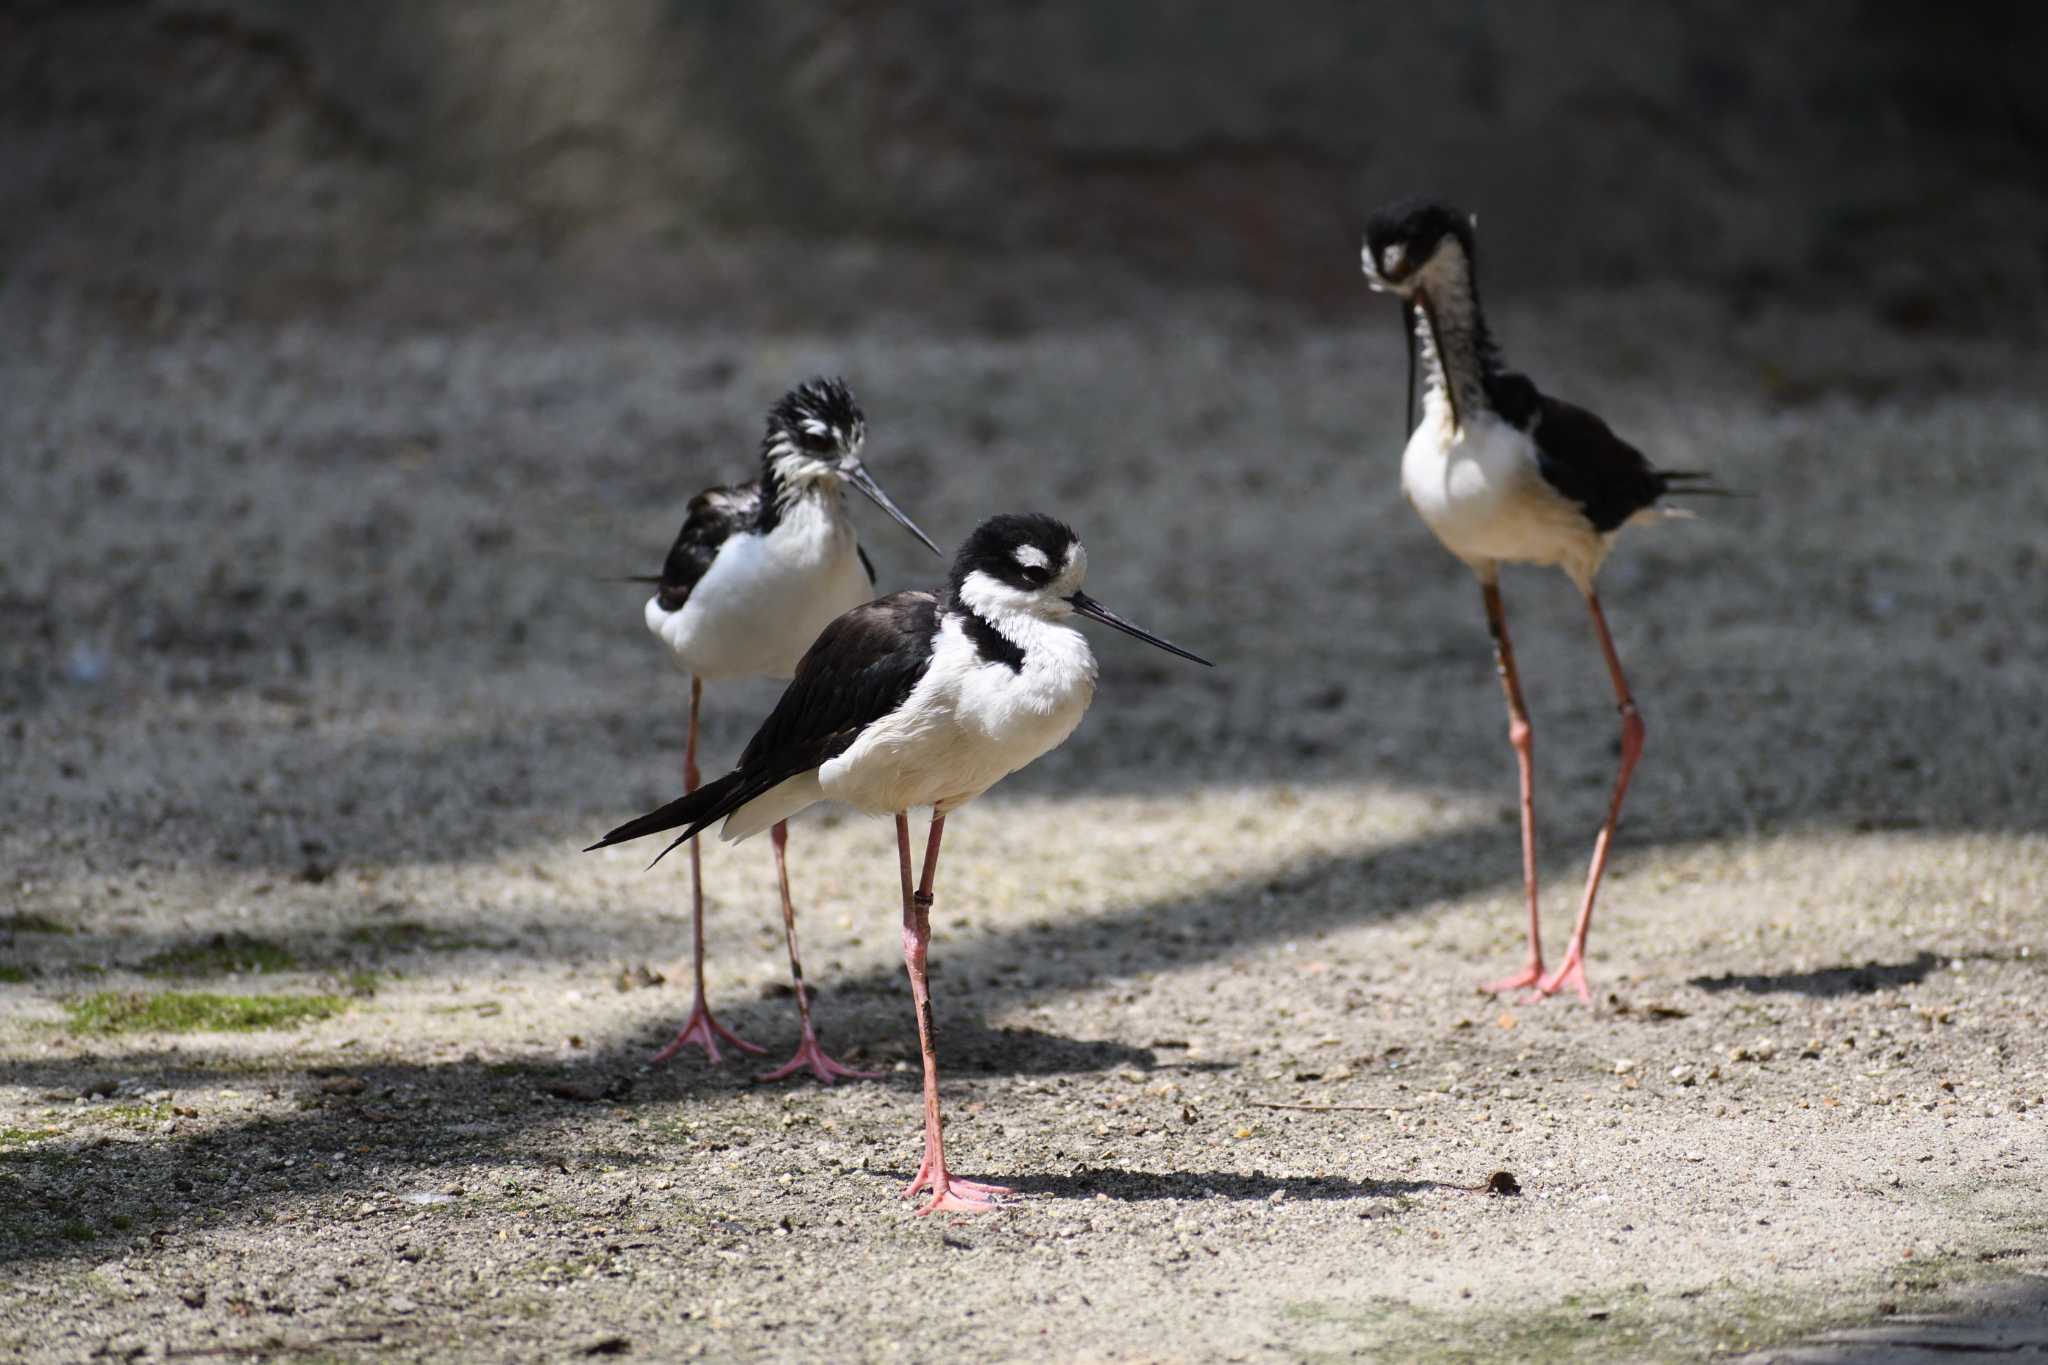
[1408,335]
[857,474]
[1087,606]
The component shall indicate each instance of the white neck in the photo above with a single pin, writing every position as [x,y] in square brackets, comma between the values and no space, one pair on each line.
[1038,623]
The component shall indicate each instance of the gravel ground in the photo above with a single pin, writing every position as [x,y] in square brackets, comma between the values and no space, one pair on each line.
[313,686]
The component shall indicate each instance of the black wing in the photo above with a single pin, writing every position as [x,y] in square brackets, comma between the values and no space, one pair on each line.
[1582,458]
[713,516]
[860,668]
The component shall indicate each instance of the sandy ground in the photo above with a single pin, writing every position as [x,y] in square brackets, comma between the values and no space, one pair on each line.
[312,688]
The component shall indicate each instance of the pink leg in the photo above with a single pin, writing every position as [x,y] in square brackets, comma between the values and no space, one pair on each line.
[1572,972]
[809,1056]
[1523,739]
[949,1193]
[701,1028]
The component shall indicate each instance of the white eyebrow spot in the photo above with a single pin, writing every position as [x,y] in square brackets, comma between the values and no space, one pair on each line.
[1031,557]
[1392,257]
[815,427]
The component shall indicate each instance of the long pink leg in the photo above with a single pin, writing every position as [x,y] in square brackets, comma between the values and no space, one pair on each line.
[808,1054]
[1523,738]
[701,1028]
[1572,971]
[948,1191]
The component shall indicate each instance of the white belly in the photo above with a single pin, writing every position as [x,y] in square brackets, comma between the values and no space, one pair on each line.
[1478,488]
[967,725]
[764,599]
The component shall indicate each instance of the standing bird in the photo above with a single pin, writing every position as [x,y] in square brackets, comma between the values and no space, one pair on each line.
[922,699]
[1504,473]
[756,572]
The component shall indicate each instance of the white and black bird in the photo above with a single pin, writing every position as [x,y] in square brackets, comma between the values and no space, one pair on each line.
[1505,474]
[923,699]
[756,572]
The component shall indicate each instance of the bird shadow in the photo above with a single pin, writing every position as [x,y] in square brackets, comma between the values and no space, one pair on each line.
[1085,1182]
[1825,981]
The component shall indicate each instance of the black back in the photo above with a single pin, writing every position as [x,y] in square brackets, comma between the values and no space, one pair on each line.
[712,517]
[859,669]
[1579,455]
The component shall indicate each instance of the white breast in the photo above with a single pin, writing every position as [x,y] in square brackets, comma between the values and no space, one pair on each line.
[968,723]
[765,598]
[1477,486]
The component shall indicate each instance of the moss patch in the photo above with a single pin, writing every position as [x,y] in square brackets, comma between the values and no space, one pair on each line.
[12,974]
[196,1012]
[137,1116]
[221,955]
[407,935]
[1627,1323]
[29,922]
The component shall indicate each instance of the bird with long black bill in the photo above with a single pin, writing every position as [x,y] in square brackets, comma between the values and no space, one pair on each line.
[756,572]
[1505,474]
[922,699]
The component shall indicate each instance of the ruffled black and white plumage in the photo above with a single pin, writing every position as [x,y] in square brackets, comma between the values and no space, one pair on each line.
[1499,470]
[759,568]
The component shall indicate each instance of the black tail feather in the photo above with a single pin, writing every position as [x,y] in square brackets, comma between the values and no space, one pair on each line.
[653,578]
[710,802]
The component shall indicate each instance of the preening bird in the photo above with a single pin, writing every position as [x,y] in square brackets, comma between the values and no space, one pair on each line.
[922,699]
[756,572]
[1505,474]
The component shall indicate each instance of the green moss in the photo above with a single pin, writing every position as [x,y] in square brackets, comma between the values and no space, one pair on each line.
[1626,1323]
[21,1137]
[134,1115]
[77,1230]
[221,955]
[196,1012]
[12,974]
[29,922]
[405,935]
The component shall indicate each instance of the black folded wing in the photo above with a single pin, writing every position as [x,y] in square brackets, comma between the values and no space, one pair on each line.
[861,667]
[712,518]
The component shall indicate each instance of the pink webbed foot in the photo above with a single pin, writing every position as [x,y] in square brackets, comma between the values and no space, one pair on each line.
[1572,972]
[811,1057]
[1521,980]
[704,1031]
[951,1194]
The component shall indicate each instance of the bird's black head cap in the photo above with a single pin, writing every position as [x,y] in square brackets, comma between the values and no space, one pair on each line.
[1401,238]
[818,418]
[1025,550]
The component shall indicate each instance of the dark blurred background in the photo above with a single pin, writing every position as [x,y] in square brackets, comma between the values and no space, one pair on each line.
[290,153]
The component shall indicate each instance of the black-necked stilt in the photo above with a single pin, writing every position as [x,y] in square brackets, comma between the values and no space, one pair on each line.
[922,699]
[1503,473]
[756,572]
